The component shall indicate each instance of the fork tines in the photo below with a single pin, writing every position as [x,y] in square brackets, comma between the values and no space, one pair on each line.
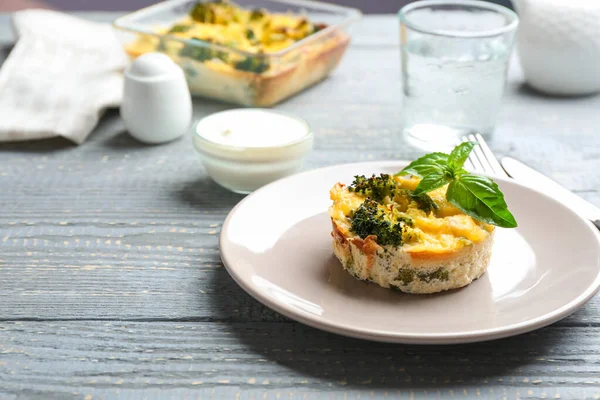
[481,158]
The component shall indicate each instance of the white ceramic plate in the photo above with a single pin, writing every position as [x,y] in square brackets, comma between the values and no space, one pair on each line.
[276,244]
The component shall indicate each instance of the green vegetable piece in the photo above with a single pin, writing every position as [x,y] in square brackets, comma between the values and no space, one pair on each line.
[201,52]
[350,268]
[477,196]
[253,64]
[223,55]
[424,202]
[433,181]
[378,187]
[203,12]
[250,34]
[179,28]
[405,275]
[429,163]
[480,198]
[459,155]
[375,187]
[408,221]
[368,219]
[440,274]
[198,53]
[256,14]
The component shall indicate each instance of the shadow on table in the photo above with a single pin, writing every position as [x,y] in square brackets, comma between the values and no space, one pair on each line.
[358,364]
[111,122]
[124,141]
[526,90]
[38,146]
[204,193]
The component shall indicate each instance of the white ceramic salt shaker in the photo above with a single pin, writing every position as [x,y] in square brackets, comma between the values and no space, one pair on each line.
[157,105]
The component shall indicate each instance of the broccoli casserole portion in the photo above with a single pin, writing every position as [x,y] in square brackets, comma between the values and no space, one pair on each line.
[414,243]
[224,23]
[254,31]
[239,55]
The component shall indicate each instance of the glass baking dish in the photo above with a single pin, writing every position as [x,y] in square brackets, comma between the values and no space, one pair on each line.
[254,79]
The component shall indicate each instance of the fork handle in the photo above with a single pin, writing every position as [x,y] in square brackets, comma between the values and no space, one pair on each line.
[597,223]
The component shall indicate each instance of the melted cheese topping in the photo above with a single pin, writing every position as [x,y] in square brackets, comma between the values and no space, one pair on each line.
[443,231]
[226,24]
[269,34]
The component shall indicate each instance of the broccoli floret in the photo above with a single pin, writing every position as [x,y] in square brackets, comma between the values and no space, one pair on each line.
[179,28]
[424,202]
[250,34]
[198,53]
[257,14]
[368,219]
[201,52]
[253,64]
[375,187]
[406,275]
[215,12]
[439,274]
[378,187]
[203,12]
[350,268]
[400,217]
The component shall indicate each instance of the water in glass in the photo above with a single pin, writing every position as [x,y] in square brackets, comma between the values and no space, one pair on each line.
[454,65]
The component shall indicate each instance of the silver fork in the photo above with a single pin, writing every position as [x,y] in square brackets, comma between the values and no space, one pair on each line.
[481,158]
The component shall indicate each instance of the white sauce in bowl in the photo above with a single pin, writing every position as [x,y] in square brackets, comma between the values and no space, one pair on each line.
[252,128]
[245,149]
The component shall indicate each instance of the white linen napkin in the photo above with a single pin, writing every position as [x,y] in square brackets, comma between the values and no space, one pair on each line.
[59,78]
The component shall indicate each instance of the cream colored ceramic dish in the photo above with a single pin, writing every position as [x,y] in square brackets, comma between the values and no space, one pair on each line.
[281,254]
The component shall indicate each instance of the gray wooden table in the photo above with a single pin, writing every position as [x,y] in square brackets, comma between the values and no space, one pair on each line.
[111,282]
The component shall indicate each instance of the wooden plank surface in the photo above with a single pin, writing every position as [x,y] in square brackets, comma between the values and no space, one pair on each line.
[286,360]
[111,282]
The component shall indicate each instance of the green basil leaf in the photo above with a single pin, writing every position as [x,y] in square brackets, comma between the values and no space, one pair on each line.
[480,198]
[460,154]
[460,171]
[432,181]
[429,163]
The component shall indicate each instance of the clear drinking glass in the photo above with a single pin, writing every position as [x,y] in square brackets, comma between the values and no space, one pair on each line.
[454,64]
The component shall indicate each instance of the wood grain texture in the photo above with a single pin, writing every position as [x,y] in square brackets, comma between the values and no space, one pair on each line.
[111,282]
[286,360]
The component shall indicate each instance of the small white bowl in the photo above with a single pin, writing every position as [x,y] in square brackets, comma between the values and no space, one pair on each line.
[244,149]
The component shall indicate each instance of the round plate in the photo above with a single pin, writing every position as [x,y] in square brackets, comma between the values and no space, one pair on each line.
[276,244]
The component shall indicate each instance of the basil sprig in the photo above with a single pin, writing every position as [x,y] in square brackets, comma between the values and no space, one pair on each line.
[477,196]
